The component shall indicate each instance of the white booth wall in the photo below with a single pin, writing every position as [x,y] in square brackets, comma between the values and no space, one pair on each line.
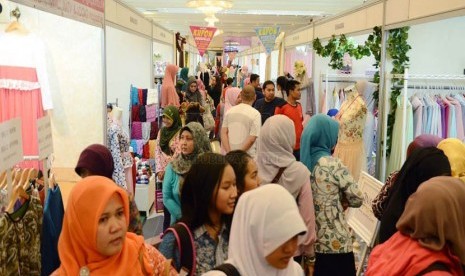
[438,47]
[128,62]
[274,65]
[74,59]
[166,56]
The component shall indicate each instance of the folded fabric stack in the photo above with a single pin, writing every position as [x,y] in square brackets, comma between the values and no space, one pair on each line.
[143,172]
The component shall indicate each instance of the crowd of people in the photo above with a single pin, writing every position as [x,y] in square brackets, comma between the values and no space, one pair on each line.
[272,202]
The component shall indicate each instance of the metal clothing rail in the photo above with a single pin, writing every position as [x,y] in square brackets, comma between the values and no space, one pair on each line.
[406,78]
[340,78]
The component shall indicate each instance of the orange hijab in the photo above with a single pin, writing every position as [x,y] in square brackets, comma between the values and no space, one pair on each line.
[77,245]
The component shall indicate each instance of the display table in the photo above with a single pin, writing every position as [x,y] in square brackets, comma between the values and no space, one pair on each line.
[145,196]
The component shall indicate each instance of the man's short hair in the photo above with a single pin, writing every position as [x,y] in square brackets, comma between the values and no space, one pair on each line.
[254,77]
[291,84]
[248,93]
[229,81]
[267,83]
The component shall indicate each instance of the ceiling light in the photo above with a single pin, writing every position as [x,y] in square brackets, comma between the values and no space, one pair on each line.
[211,20]
[210,6]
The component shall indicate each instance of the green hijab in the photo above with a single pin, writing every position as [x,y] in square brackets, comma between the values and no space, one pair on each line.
[183,74]
[318,139]
[182,163]
[167,133]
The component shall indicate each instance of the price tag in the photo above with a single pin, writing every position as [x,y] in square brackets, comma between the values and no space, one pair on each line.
[11,144]
[44,135]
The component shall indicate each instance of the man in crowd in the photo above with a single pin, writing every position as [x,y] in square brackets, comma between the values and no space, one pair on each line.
[266,106]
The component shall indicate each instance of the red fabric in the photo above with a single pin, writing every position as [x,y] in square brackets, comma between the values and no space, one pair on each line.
[140,93]
[402,255]
[146,151]
[295,114]
[135,113]
[134,173]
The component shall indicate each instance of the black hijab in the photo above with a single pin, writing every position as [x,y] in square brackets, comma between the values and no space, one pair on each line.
[420,166]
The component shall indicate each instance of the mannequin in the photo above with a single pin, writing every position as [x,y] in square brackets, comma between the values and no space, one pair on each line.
[119,143]
[352,118]
[204,75]
[306,86]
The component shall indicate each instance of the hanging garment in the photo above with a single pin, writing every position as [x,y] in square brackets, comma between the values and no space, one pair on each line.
[51,229]
[118,142]
[20,242]
[134,96]
[142,114]
[135,113]
[459,118]
[151,113]
[146,131]
[24,86]
[136,130]
[417,106]
[350,148]
[153,130]
[395,160]
[152,96]
[144,96]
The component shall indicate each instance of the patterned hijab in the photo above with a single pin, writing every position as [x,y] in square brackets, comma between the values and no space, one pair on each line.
[182,163]
[77,246]
[434,215]
[455,152]
[167,133]
[318,139]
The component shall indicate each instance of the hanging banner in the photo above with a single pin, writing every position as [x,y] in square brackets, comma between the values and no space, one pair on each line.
[267,36]
[202,36]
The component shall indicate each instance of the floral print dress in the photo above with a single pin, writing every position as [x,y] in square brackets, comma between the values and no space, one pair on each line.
[330,181]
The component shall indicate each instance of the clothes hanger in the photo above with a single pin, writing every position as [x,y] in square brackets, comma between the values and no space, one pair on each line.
[23,177]
[18,192]
[51,181]
[3,180]
[32,174]
[15,25]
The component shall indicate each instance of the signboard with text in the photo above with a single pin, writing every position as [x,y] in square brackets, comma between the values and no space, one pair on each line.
[362,220]
[87,11]
[44,135]
[202,36]
[11,144]
[267,36]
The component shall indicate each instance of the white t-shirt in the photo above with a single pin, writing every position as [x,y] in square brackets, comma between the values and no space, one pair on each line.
[242,121]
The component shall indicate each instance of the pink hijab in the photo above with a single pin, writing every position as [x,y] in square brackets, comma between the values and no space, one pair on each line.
[231,98]
[168,90]
[201,88]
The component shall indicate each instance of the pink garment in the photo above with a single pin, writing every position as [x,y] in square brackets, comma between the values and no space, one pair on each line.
[231,98]
[168,90]
[162,159]
[458,116]
[23,103]
[293,55]
[151,113]
[136,130]
[247,81]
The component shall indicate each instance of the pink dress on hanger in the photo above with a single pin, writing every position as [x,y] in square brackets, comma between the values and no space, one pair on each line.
[24,87]
[350,148]
[168,90]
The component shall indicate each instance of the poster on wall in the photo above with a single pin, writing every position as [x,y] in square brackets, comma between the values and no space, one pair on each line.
[362,220]
[86,11]
[267,36]
[202,36]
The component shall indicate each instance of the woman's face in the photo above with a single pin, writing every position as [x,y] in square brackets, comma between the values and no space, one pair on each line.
[213,82]
[187,142]
[282,255]
[167,122]
[251,179]
[193,87]
[112,227]
[226,192]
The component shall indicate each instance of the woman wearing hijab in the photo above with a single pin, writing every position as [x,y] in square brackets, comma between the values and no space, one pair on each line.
[94,239]
[167,147]
[421,165]
[379,203]
[96,159]
[193,141]
[183,75]
[215,90]
[168,91]
[454,149]
[193,94]
[277,164]
[331,182]
[258,244]
[231,98]
[430,236]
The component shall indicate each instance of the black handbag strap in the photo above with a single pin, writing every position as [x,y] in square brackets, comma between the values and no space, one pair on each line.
[278,175]
[185,244]
[228,269]
[437,266]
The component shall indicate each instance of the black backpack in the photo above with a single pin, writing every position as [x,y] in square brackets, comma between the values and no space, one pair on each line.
[185,244]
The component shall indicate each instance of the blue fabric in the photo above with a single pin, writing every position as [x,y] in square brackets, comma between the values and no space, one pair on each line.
[318,139]
[51,229]
[134,96]
[171,193]
[169,249]
[332,112]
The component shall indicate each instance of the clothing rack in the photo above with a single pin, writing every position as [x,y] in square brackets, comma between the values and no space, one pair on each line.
[340,78]
[406,86]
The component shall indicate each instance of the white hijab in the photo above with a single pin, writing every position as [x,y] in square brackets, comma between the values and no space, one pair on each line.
[275,146]
[257,230]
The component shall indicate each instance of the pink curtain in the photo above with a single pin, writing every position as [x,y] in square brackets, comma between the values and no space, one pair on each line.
[292,55]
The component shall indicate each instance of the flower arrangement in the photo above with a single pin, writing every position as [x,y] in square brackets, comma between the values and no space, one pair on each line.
[299,68]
